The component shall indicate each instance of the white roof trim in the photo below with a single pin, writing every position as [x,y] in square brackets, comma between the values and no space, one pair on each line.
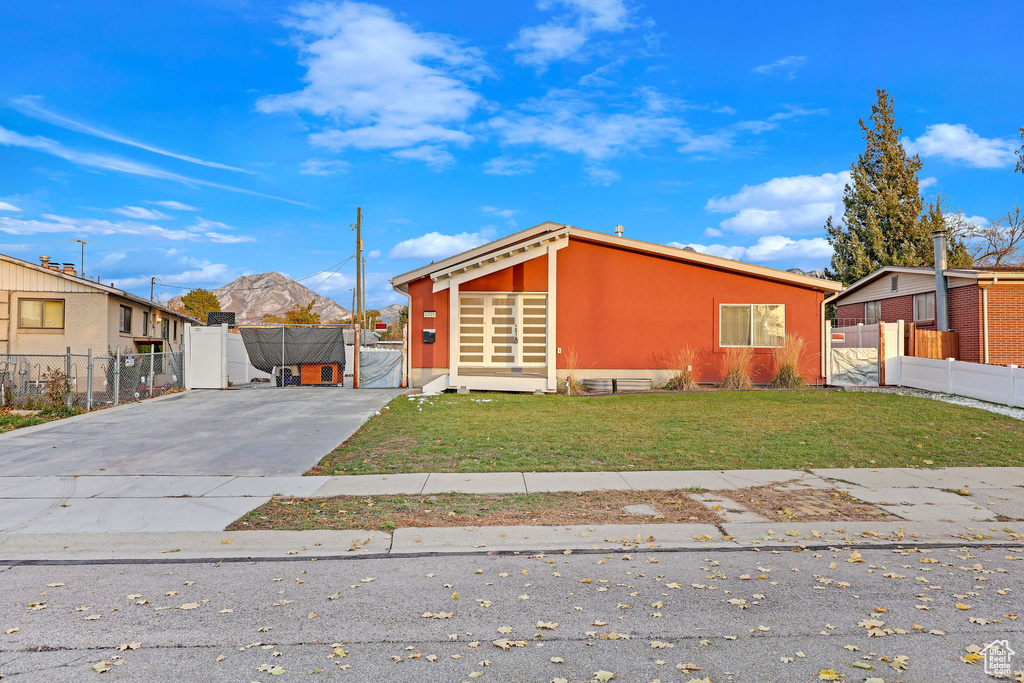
[466,259]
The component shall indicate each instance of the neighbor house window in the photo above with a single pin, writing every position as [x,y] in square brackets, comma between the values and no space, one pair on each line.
[175,330]
[752,325]
[895,283]
[41,313]
[145,323]
[924,306]
[165,329]
[126,320]
[872,312]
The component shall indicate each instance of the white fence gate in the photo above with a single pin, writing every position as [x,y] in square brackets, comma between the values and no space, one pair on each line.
[206,357]
[864,355]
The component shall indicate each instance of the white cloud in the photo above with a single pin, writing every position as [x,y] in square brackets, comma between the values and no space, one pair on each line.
[221,238]
[30,105]
[787,66]
[141,213]
[11,138]
[378,82]
[927,182]
[713,232]
[197,272]
[202,224]
[601,176]
[376,253]
[434,156]
[173,205]
[434,245]
[568,121]
[53,224]
[508,166]
[797,203]
[324,166]
[961,217]
[565,36]
[815,251]
[4,206]
[507,214]
[957,142]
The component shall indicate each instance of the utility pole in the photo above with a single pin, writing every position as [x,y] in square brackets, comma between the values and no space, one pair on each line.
[152,283]
[364,289]
[359,299]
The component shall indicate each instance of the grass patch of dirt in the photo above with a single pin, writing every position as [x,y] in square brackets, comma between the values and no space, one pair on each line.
[807,505]
[674,431]
[10,421]
[386,513]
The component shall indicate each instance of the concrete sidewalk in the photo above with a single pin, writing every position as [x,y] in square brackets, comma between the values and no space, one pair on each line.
[113,503]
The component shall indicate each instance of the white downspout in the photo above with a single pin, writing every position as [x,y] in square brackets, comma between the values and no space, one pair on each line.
[984,316]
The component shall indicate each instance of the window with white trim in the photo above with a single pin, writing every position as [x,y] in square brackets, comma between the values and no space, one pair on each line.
[756,325]
[924,307]
[872,312]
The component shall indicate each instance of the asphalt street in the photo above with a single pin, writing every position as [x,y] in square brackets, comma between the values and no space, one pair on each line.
[642,615]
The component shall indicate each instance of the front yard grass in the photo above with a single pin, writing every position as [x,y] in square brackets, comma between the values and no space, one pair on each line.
[9,421]
[701,430]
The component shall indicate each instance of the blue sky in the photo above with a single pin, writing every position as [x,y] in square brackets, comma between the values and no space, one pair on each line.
[198,141]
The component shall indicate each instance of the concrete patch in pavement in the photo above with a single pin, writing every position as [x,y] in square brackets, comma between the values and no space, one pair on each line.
[888,477]
[267,486]
[483,482]
[744,478]
[550,482]
[165,487]
[550,538]
[940,513]
[172,546]
[904,496]
[670,481]
[373,485]
[95,515]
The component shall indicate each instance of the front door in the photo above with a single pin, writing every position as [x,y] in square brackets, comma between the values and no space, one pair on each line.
[503,329]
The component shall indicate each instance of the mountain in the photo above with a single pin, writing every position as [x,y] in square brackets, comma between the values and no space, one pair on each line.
[389,314]
[252,296]
[809,273]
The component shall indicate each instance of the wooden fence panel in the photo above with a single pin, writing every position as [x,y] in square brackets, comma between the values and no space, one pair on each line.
[935,344]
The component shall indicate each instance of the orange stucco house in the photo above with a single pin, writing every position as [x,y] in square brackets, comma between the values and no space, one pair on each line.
[508,315]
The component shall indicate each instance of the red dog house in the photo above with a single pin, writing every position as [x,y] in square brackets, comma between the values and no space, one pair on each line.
[509,315]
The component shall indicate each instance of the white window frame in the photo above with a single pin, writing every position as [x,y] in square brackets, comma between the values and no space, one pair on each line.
[488,331]
[925,295]
[751,344]
[878,317]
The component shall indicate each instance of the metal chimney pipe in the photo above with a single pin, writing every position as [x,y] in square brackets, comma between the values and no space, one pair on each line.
[941,291]
[618,230]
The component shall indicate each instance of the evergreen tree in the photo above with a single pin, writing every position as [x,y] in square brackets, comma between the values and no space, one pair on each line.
[198,302]
[886,222]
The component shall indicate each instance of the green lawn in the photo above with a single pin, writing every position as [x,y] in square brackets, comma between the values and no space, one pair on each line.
[704,430]
[9,421]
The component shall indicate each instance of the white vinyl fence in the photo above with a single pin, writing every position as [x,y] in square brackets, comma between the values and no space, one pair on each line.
[993,383]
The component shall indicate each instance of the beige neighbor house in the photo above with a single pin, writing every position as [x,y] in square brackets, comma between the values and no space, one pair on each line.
[46,308]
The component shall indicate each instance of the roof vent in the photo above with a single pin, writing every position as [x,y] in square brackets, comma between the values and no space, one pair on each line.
[618,230]
[44,261]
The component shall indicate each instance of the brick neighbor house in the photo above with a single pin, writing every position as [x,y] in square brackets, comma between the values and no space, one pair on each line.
[512,315]
[46,308]
[986,307]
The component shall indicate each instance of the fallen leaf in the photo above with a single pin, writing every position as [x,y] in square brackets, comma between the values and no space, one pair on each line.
[603,675]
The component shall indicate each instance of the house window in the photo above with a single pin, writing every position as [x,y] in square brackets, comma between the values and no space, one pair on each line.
[41,313]
[752,325]
[165,329]
[145,323]
[924,307]
[895,283]
[126,320]
[872,312]
[175,330]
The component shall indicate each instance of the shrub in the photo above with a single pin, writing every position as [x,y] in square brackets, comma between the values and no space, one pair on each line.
[787,363]
[573,384]
[684,362]
[56,386]
[739,367]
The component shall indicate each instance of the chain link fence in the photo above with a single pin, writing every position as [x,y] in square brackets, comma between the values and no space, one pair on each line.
[84,381]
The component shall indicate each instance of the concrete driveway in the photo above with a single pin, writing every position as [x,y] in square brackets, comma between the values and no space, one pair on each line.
[251,432]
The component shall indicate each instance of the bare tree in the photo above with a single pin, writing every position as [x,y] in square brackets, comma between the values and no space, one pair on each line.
[1000,243]
[1020,162]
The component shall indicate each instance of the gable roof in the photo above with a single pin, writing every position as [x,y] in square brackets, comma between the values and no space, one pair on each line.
[482,252]
[982,274]
[81,281]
